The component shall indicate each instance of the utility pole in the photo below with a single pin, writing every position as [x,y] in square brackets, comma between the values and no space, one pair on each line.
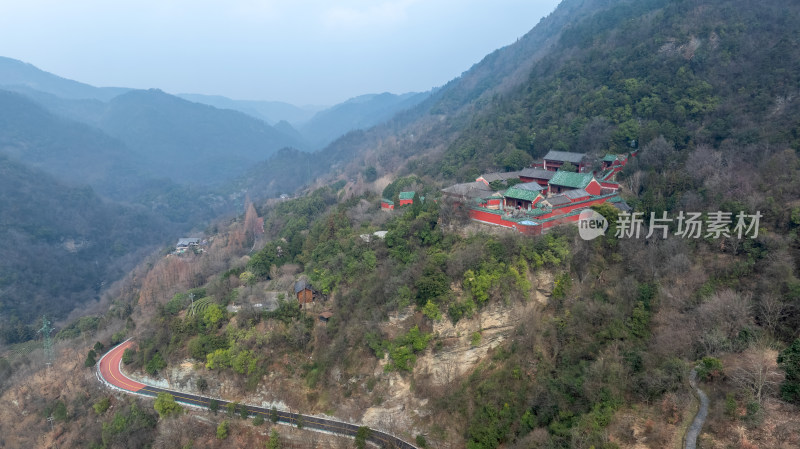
[50,419]
[47,342]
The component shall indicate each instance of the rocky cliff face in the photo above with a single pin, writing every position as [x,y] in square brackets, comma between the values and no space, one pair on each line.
[460,351]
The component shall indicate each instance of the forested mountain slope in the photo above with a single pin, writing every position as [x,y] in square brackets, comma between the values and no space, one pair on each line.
[79,155]
[60,245]
[74,152]
[356,113]
[722,74]
[190,143]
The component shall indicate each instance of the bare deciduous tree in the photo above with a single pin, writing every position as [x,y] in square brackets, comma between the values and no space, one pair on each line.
[720,319]
[757,372]
[634,182]
[771,311]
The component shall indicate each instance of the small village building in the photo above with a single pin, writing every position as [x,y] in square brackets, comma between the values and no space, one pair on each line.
[563,181]
[503,177]
[537,175]
[325,316]
[387,204]
[553,160]
[186,242]
[406,198]
[303,292]
[612,164]
[522,196]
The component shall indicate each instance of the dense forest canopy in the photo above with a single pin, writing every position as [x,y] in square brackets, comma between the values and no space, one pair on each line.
[720,74]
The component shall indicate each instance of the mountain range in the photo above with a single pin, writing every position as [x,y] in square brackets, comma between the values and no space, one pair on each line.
[175,162]
[312,127]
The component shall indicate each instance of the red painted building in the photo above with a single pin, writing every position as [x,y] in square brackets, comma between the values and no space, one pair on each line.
[523,196]
[563,181]
[537,175]
[553,160]
[406,198]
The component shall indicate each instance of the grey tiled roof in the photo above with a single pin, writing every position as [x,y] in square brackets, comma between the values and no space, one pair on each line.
[558,200]
[301,285]
[186,241]
[475,189]
[538,173]
[529,186]
[577,193]
[489,177]
[565,156]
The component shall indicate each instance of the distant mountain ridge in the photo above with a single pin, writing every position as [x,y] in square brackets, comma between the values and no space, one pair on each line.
[362,112]
[271,112]
[316,126]
[74,152]
[189,142]
[14,73]
[311,127]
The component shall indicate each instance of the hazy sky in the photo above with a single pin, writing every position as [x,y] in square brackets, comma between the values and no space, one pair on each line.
[301,51]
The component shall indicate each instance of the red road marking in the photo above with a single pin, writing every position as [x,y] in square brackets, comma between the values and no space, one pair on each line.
[110,369]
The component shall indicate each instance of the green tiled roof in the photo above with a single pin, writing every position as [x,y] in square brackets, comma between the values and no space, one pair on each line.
[608,174]
[570,179]
[406,195]
[387,201]
[610,158]
[521,194]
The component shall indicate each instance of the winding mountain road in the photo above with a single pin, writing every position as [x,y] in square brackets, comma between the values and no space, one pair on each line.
[109,372]
[697,425]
